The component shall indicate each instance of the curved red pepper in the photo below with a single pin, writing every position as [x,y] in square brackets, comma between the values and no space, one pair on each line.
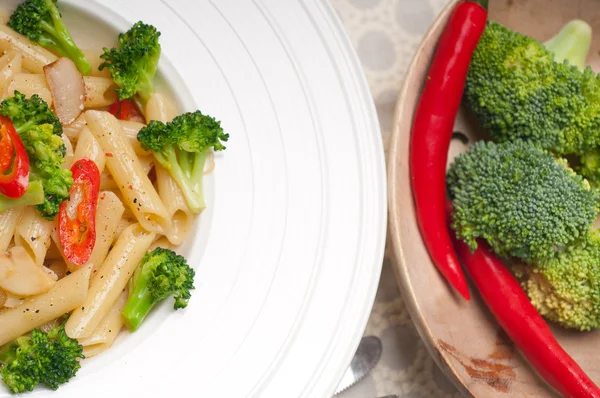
[524,325]
[432,131]
[126,110]
[77,216]
[14,163]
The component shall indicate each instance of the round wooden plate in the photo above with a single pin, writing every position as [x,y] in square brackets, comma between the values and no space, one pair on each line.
[462,336]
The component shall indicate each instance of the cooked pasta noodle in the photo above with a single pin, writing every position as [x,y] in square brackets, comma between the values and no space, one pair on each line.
[33,233]
[178,211]
[109,281]
[93,57]
[125,167]
[34,57]
[131,130]
[29,84]
[99,91]
[65,295]
[9,219]
[160,108]
[72,130]
[10,63]
[88,147]
[105,334]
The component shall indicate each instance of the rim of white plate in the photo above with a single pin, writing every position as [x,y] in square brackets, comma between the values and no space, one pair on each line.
[289,253]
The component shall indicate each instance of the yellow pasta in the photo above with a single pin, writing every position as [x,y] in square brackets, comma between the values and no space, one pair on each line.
[128,172]
[108,215]
[9,219]
[93,57]
[182,219]
[99,91]
[65,295]
[30,84]
[72,130]
[10,63]
[163,242]
[88,147]
[109,281]
[33,233]
[131,130]
[34,57]
[105,334]
[160,108]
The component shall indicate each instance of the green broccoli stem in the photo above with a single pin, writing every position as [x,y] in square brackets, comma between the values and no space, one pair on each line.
[139,304]
[572,43]
[185,171]
[64,45]
[34,195]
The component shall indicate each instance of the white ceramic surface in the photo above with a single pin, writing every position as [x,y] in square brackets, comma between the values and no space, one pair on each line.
[288,254]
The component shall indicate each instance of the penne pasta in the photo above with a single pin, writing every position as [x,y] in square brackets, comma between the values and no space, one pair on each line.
[147,163]
[10,63]
[163,242]
[58,267]
[108,215]
[88,147]
[29,84]
[182,219]
[124,222]
[128,172]
[33,233]
[67,294]
[34,57]
[109,281]
[99,91]
[72,130]
[107,182]
[105,334]
[9,219]
[160,108]
[93,57]
[131,130]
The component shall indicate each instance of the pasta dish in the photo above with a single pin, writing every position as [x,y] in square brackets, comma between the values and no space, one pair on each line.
[100,181]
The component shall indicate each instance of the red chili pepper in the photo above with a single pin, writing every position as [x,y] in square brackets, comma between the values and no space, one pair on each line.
[77,216]
[14,163]
[126,110]
[432,131]
[524,325]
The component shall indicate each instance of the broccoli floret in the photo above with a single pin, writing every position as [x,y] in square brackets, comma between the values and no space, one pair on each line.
[133,65]
[40,358]
[522,200]
[41,132]
[41,22]
[25,113]
[518,91]
[46,155]
[566,289]
[181,147]
[162,273]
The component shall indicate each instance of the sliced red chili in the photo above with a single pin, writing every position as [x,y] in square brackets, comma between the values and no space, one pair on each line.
[77,216]
[14,163]
[126,110]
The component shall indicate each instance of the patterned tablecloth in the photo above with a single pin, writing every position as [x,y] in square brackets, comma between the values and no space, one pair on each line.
[386,34]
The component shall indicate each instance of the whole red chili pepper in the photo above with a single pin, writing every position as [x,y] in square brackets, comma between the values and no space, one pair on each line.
[14,163]
[432,131]
[524,325]
[77,216]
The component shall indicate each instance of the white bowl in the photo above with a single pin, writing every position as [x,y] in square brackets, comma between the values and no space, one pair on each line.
[288,253]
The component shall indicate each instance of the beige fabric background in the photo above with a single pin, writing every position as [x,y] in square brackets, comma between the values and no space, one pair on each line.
[386,34]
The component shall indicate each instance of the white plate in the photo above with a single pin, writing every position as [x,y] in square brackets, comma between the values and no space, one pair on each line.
[289,252]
